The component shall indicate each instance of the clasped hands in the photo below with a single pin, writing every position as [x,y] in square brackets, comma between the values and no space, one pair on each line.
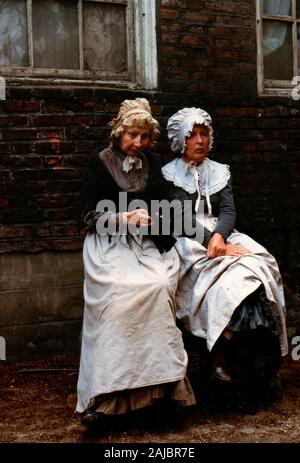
[137,217]
[218,247]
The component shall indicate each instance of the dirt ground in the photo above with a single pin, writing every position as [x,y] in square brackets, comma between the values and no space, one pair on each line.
[37,406]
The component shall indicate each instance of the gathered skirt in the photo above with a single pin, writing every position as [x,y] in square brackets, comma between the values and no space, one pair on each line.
[131,351]
[211,290]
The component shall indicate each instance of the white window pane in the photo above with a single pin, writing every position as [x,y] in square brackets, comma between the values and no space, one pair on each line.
[13,33]
[55,34]
[277,7]
[104,37]
[278,51]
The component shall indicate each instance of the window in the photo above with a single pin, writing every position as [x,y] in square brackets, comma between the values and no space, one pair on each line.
[278,34]
[99,40]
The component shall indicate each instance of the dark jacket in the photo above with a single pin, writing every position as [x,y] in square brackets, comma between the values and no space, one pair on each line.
[99,184]
[222,207]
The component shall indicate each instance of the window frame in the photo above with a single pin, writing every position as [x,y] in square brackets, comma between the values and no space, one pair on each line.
[142,53]
[273,87]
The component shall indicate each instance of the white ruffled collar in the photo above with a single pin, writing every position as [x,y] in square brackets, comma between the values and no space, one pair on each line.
[212,175]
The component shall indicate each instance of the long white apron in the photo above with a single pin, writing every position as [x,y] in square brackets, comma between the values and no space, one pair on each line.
[129,335]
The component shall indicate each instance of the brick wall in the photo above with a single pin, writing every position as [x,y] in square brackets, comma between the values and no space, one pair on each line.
[207,58]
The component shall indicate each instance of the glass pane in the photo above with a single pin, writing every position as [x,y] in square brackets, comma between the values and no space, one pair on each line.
[298,49]
[104,37]
[277,7]
[55,34]
[13,33]
[298,9]
[278,50]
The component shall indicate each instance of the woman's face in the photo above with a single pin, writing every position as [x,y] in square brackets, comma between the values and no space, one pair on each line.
[197,144]
[135,139]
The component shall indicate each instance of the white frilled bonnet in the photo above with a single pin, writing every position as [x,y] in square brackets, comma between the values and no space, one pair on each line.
[207,178]
[181,124]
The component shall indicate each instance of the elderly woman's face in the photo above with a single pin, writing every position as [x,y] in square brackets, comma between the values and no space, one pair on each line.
[135,139]
[197,144]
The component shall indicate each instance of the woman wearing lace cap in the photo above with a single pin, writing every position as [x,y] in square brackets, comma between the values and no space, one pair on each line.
[230,290]
[132,352]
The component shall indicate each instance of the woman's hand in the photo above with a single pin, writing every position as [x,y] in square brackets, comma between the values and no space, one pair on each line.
[236,250]
[216,246]
[138,217]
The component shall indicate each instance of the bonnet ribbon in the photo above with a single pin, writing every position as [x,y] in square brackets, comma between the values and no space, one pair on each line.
[197,184]
[131,161]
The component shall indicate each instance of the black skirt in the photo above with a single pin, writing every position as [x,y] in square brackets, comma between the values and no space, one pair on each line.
[254,311]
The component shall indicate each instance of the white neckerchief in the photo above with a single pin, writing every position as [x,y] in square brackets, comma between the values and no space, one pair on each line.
[207,178]
[130,162]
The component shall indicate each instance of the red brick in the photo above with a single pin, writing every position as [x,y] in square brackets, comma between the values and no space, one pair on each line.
[82,120]
[231,30]
[193,17]
[14,232]
[6,176]
[18,121]
[169,2]
[20,106]
[271,123]
[224,43]
[294,123]
[243,43]
[54,161]
[23,147]
[247,56]
[4,147]
[247,123]
[238,112]
[20,134]
[3,121]
[167,37]
[54,200]
[4,202]
[51,134]
[53,120]
[64,230]
[54,106]
[238,21]
[102,120]
[156,109]
[171,27]
[226,54]
[192,29]
[57,215]
[168,13]
[173,51]
[22,161]
[270,146]
[86,133]
[54,146]
[42,230]
[65,173]
[85,146]
[194,40]
[66,245]
[75,161]
[112,107]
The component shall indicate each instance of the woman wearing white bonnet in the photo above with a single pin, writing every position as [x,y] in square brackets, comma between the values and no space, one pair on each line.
[230,290]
